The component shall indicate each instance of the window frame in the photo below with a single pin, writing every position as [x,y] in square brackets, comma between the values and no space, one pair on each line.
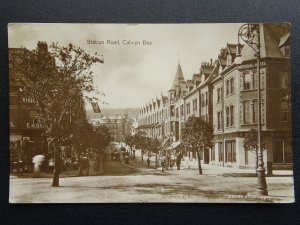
[284,113]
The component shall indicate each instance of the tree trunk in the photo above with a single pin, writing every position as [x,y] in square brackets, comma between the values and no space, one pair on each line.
[57,165]
[199,162]
[142,153]
[99,162]
[256,166]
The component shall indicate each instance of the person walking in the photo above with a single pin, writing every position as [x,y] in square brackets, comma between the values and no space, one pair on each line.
[163,161]
[148,161]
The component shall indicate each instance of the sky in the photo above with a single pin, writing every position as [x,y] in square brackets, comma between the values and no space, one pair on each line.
[132,75]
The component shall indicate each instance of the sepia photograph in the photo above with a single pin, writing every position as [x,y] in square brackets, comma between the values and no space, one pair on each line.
[148,113]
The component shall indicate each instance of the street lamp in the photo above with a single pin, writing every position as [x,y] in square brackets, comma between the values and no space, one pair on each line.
[250,34]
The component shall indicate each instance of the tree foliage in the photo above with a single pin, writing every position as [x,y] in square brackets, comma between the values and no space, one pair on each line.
[251,141]
[198,134]
[129,140]
[102,137]
[58,79]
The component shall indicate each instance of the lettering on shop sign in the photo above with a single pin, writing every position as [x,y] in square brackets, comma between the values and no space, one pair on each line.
[250,65]
[35,125]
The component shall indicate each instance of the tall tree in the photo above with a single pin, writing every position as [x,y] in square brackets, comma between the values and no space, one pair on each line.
[139,140]
[129,140]
[58,78]
[154,145]
[198,134]
[102,139]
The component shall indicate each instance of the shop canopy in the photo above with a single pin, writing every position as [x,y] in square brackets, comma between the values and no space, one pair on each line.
[174,145]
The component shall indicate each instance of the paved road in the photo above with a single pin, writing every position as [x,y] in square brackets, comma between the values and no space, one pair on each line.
[137,183]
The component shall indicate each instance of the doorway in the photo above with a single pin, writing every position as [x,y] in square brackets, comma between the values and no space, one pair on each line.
[206,156]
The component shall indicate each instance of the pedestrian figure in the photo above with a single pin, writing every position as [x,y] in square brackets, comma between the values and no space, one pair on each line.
[163,164]
[84,164]
[178,160]
[148,162]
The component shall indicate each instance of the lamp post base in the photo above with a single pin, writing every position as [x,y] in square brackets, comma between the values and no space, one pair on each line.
[262,192]
[261,182]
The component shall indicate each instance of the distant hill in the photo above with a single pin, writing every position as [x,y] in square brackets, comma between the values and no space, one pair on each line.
[131,112]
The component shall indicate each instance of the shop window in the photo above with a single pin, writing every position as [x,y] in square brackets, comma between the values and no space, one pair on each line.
[220,151]
[278,152]
[230,152]
[212,154]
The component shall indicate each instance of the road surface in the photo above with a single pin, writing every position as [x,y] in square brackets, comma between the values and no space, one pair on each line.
[137,183]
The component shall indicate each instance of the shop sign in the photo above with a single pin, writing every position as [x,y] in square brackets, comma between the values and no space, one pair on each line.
[250,66]
[35,125]
[11,124]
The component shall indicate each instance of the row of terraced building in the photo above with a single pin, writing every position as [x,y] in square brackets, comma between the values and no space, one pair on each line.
[225,95]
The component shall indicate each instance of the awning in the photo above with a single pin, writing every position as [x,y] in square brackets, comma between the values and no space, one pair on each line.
[175,144]
[15,137]
[165,142]
[151,125]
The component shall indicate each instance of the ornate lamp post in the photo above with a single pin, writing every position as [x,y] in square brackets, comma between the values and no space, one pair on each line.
[250,34]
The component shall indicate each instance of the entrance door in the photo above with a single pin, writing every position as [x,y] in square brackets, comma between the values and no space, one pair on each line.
[206,156]
[278,156]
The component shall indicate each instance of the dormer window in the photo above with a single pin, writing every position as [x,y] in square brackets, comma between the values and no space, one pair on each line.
[202,78]
[229,60]
[287,50]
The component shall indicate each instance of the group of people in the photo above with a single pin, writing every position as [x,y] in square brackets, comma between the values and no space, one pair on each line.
[167,161]
[171,162]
